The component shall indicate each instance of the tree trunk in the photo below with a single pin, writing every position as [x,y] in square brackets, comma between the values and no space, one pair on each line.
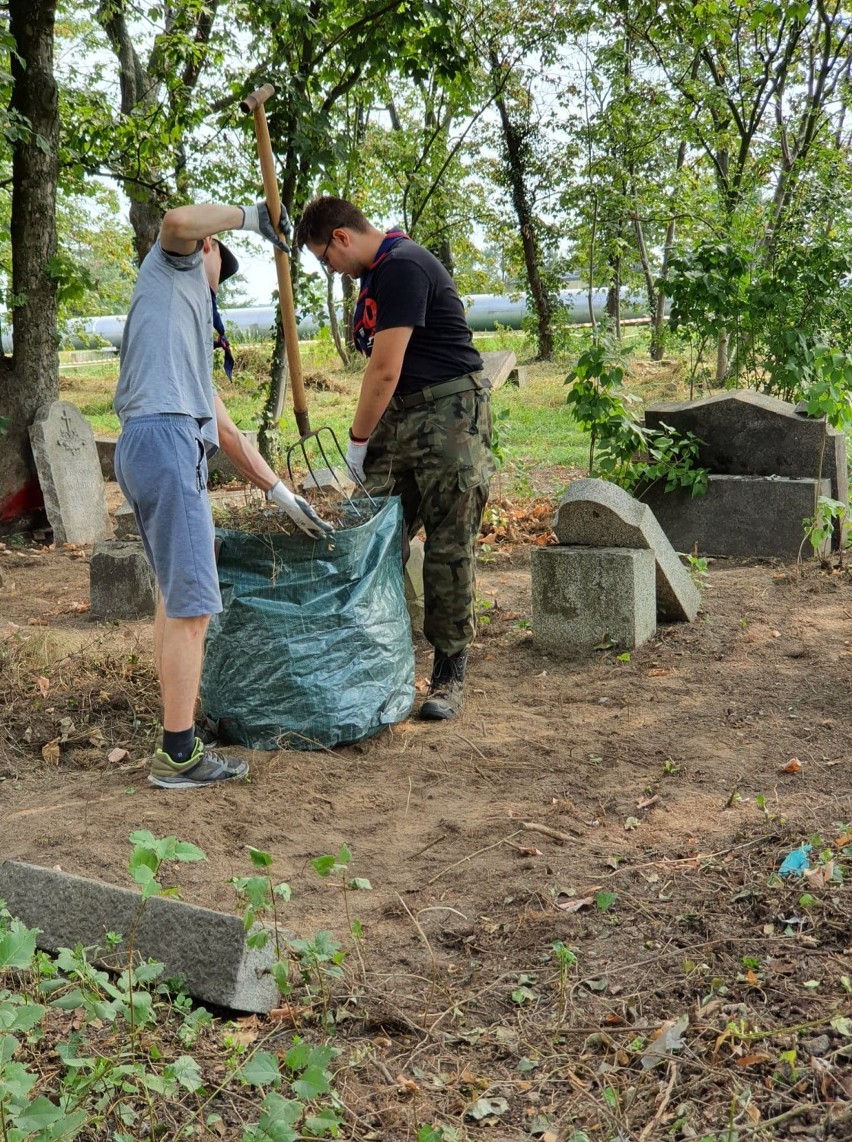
[30,377]
[722,357]
[513,143]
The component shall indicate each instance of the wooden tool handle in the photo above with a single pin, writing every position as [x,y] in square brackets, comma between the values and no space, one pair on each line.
[254,103]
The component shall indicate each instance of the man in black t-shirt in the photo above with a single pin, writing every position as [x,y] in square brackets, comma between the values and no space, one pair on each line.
[422,427]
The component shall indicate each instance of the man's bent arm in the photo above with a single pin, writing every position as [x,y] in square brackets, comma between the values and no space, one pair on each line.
[245,458]
[185,226]
[380,378]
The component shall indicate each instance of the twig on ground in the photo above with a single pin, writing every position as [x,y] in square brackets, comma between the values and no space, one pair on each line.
[651,1126]
[470,856]
[426,848]
[475,748]
[546,831]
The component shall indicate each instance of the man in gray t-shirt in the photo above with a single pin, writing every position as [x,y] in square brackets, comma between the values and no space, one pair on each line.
[171,419]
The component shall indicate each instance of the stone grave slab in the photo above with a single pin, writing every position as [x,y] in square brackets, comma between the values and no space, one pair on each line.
[596,513]
[750,434]
[106,454]
[125,522]
[121,581]
[584,598]
[69,472]
[740,515]
[206,949]
[498,366]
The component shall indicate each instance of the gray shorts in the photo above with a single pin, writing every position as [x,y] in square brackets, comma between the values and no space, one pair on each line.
[161,467]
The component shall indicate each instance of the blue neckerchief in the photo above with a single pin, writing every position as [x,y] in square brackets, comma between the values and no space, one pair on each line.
[364,323]
[221,341]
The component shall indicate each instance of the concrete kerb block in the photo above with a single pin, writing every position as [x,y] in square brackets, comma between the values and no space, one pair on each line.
[207,950]
[585,597]
[596,513]
[121,581]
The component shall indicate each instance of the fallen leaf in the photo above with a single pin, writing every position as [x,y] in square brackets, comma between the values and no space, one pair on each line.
[50,751]
[36,622]
[657,672]
[668,1038]
[407,1085]
[116,755]
[753,1060]
[576,905]
[43,685]
[792,766]
[486,1108]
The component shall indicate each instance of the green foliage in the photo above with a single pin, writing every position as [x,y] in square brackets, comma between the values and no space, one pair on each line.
[821,526]
[782,316]
[148,856]
[621,449]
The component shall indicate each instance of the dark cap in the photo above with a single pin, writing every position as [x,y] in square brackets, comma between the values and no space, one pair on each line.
[230,265]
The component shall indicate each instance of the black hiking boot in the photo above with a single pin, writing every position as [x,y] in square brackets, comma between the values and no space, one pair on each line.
[446,690]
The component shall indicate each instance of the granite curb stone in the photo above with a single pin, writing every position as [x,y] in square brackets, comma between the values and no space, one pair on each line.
[207,950]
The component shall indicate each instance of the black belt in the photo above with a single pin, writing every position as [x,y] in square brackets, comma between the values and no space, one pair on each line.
[443,389]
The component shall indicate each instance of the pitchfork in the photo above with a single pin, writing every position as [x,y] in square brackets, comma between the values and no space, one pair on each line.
[254,104]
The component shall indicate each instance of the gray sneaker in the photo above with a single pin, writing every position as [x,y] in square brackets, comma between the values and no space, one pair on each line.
[204,767]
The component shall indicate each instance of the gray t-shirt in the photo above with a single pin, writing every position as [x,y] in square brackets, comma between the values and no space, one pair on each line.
[167,345]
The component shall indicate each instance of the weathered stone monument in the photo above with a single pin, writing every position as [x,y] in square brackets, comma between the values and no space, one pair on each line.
[612,573]
[768,464]
[69,472]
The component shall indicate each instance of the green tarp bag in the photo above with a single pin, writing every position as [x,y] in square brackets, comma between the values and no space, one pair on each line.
[313,648]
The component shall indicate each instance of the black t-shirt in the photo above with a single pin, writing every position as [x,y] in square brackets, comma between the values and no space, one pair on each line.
[411,287]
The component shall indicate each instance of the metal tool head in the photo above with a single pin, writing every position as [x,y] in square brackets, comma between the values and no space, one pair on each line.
[327,474]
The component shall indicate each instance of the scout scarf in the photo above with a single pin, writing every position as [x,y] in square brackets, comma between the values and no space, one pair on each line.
[364,324]
[221,341]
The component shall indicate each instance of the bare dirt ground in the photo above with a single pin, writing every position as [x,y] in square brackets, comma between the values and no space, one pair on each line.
[634,811]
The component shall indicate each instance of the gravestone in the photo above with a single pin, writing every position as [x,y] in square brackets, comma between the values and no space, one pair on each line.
[125,522]
[121,581]
[598,514]
[750,434]
[106,454]
[740,515]
[208,950]
[592,598]
[69,472]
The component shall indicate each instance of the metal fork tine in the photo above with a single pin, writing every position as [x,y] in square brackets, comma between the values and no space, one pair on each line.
[316,435]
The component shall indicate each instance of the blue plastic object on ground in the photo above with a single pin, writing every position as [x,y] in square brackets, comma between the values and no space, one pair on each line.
[796,862]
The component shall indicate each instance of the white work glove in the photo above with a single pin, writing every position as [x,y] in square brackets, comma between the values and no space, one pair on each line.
[256,218]
[355,455]
[299,511]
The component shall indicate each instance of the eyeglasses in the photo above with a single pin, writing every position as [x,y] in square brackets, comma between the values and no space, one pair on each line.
[322,258]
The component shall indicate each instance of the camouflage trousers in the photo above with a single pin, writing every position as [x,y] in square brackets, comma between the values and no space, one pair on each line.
[437,458]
